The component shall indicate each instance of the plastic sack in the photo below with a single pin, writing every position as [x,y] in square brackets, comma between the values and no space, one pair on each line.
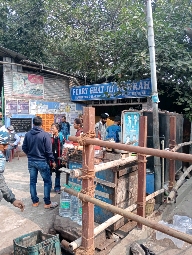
[177,242]
[183,221]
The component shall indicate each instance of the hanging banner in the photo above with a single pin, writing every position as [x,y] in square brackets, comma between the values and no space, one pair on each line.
[28,85]
[111,91]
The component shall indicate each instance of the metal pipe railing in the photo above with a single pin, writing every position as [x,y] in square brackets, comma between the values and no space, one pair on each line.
[77,243]
[143,150]
[147,222]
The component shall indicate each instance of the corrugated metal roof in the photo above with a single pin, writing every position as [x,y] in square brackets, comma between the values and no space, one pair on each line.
[4,52]
[77,80]
[19,58]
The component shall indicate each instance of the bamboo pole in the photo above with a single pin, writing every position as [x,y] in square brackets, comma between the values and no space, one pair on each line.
[77,243]
[149,223]
[171,197]
[143,150]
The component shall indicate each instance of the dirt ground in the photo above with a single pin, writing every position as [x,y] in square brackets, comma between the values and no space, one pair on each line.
[15,223]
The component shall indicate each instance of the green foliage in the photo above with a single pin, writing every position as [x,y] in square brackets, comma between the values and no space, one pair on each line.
[23,28]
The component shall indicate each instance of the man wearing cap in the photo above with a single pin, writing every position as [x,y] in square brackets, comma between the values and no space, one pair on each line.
[13,141]
[101,126]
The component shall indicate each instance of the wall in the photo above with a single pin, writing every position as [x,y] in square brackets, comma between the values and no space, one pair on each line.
[55,87]
[55,97]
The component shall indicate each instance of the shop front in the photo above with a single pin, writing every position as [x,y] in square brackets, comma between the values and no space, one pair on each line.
[29,89]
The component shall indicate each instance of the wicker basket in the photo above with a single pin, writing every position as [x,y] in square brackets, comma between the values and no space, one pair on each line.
[149,208]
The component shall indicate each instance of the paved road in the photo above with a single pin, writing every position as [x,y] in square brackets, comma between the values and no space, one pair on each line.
[15,223]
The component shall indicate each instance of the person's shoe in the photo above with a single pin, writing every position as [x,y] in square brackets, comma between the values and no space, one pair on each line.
[7,161]
[58,191]
[36,204]
[52,205]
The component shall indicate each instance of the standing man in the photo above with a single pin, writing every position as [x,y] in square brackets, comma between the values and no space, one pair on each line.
[64,127]
[13,141]
[114,130]
[101,126]
[38,147]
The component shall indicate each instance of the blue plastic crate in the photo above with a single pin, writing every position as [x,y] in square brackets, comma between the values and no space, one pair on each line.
[37,243]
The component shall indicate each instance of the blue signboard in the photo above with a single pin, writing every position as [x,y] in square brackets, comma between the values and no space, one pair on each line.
[110,91]
[130,127]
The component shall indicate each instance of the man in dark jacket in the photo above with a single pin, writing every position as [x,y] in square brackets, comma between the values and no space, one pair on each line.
[37,145]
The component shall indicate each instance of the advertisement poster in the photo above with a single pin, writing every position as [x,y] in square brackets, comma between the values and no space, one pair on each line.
[23,106]
[131,128]
[28,85]
[73,116]
[11,107]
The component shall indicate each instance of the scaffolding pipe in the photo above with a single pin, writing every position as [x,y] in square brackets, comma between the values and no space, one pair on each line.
[171,197]
[75,173]
[143,150]
[77,243]
[147,222]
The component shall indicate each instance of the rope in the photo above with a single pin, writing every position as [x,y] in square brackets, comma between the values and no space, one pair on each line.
[82,138]
[142,160]
[90,191]
[141,204]
[89,251]
[86,172]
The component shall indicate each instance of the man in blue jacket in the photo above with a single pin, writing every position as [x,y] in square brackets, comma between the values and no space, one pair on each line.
[114,130]
[37,145]
[64,127]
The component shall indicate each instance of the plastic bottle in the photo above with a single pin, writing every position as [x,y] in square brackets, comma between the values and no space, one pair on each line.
[65,204]
[79,221]
[74,207]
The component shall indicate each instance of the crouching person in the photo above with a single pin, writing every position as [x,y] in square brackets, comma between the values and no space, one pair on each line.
[7,194]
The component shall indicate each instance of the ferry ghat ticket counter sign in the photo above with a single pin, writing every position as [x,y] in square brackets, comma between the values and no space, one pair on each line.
[110,91]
